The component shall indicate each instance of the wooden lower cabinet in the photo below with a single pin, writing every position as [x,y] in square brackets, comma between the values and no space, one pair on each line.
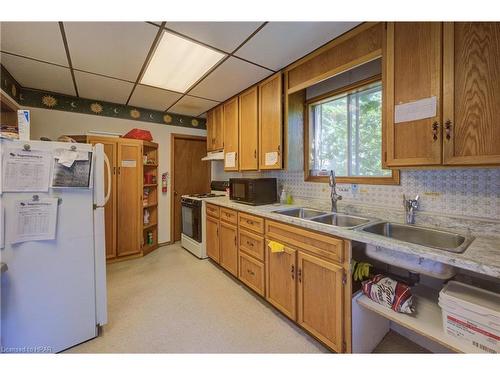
[281,286]
[251,272]
[229,248]
[213,238]
[320,299]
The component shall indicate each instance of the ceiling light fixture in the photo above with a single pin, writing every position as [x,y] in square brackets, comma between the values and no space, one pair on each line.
[178,63]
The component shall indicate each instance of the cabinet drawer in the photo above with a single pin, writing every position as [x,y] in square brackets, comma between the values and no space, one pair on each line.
[213,210]
[253,223]
[251,272]
[229,216]
[324,246]
[251,244]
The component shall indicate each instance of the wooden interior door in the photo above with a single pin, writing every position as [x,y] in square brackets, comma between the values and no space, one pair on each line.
[271,123]
[229,248]
[412,72]
[129,197]
[190,174]
[231,122]
[471,93]
[249,130]
[281,285]
[110,213]
[320,296]
[213,243]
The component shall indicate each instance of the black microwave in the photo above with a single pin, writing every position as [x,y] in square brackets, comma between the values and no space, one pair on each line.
[254,191]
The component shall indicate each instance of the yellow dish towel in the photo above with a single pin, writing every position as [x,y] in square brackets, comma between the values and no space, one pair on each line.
[276,247]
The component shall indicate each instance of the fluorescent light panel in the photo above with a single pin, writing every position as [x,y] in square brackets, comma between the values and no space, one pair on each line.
[177,63]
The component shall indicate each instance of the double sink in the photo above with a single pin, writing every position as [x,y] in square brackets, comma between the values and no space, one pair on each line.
[435,238]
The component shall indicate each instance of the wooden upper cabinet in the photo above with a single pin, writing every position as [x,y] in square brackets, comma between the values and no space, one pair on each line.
[210,130]
[271,123]
[320,299]
[249,130]
[129,197]
[413,55]
[281,286]
[231,121]
[472,93]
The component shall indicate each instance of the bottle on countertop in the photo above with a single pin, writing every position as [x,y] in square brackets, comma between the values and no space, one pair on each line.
[283,196]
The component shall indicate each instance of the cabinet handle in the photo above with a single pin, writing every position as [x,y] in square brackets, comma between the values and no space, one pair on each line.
[251,272]
[114,170]
[279,150]
[119,170]
[447,126]
[435,128]
[299,274]
[293,272]
[249,243]
[255,154]
[249,222]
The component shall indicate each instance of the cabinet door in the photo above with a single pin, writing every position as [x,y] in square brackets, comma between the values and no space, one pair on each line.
[412,72]
[249,130]
[210,130]
[281,286]
[110,149]
[231,121]
[229,248]
[320,296]
[213,238]
[129,207]
[271,123]
[219,128]
[472,93]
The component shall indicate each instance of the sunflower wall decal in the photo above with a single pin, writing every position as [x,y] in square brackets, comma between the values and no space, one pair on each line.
[194,122]
[96,108]
[134,113]
[49,101]
[167,119]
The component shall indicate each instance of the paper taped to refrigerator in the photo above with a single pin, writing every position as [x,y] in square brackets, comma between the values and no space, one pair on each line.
[35,220]
[68,157]
[77,175]
[417,110]
[26,170]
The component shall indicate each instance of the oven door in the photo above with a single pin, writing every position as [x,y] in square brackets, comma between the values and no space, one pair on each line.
[191,219]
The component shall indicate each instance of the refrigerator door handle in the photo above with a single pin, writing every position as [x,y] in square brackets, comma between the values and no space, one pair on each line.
[108,167]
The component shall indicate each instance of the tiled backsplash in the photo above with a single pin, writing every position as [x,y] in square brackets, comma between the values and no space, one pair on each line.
[471,192]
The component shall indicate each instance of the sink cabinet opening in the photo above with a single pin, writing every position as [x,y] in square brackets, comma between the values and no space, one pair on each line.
[374,325]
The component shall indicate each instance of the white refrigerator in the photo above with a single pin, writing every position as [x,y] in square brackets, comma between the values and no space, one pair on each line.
[53,292]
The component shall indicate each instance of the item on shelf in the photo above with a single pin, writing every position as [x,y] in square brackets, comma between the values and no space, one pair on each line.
[9,132]
[146,217]
[144,159]
[145,197]
[141,134]
[148,178]
[389,293]
[360,270]
[471,315]
[150,238]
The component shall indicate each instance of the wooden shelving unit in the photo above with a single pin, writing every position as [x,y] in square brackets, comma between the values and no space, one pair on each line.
[150,196]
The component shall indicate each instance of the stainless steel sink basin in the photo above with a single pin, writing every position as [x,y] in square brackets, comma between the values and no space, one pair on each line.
[302,213]
[341,220]
[434,238]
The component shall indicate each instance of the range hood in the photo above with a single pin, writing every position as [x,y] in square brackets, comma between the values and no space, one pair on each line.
[214,155]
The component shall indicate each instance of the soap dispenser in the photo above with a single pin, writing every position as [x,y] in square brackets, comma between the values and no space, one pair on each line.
[283,195]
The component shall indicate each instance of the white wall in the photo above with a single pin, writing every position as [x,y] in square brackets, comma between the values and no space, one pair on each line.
[52,124]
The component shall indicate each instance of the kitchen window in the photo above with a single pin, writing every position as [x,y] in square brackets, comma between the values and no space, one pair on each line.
[344,133]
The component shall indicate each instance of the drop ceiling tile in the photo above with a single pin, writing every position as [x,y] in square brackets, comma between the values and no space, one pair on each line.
[280,43]
[39,40]
[192,106]
[92,86]
[229,78]
[39,75]
[223,35]
[115,49]
[153,98]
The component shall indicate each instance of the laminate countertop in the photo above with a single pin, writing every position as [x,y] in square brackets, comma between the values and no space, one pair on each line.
[482,255]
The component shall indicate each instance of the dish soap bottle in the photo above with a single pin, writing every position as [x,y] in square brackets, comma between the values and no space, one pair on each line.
[283,196]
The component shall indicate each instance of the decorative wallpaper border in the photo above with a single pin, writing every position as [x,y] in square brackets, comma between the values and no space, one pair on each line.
[49,100]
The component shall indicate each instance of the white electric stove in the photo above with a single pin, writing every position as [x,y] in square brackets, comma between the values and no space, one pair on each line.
[194,235]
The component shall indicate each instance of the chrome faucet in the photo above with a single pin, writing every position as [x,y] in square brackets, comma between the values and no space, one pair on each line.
[333,191]
[411,205]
